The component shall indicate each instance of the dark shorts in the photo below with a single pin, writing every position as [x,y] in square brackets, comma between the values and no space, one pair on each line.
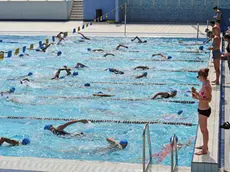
[205,112]
[216,54]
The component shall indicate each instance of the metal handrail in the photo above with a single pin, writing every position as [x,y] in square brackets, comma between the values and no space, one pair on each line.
[146,129]
[174,149]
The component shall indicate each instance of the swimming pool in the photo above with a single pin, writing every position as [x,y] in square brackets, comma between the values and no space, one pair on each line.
[69,98]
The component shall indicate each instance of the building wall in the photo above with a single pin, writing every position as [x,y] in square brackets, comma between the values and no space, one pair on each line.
[90,7]
[180,11]
[35,10]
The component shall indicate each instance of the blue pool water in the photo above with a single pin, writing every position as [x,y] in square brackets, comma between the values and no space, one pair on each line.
[62,98]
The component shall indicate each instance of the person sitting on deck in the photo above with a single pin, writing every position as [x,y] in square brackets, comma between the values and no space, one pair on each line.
[139,40]
[59,131]
[165,94]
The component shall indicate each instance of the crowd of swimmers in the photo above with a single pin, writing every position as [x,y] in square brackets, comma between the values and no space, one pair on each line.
[204,96]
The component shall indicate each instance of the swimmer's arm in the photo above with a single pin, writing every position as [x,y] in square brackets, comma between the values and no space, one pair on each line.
[62,127]
[112,142]
[9,141]
[107,54]
[134,38]
[159,54]
[83,36]
[160,93]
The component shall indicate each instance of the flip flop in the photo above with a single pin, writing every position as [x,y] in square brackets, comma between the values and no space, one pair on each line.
[226,125]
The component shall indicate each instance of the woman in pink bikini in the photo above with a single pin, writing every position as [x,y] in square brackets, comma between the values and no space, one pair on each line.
[204,110]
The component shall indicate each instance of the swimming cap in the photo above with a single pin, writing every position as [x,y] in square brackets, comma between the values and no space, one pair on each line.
[88,49]
[75,73]
[99,92]
[169,57]
[174,91]
[171,139]
[145,73]
[87,85]
[123,143]
[12,90]
[30,73]
[111,69]
[180,112]
[59,53]
[26,141]
[47,127]
[21,55]
[201,47]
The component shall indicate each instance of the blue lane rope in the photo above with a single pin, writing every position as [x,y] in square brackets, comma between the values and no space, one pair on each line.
[100,121]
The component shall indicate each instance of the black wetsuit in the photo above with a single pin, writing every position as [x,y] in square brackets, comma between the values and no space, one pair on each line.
[60,133]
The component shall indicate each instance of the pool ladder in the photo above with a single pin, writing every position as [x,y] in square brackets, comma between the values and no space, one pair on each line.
[174,150]
[146,130]
[173,145]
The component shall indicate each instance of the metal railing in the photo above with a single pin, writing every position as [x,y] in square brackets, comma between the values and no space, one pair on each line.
[174,149]
[146,130]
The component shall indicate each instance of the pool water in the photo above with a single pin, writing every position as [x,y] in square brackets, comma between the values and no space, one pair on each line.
[69,98]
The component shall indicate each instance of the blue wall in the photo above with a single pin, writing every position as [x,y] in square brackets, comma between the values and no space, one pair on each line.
[90,7]
[189,10]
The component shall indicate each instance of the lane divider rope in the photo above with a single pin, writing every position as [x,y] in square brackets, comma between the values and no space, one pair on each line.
[100,121]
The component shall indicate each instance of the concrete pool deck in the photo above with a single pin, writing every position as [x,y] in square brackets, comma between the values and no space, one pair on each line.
[102,29]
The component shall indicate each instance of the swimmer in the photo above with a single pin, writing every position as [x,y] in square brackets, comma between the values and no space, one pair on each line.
[108,54]
[10,91]
[46,46]
[160,156]
[56,76]
[139,40]
[60,37]
[115,71]
[114,144]
[159,54]
[165,94]
[59,131]
[80,65]
[96,50]
[100,94]
[142,75]
[83,36]
[141,67]
[25,81]
[13,142]
[120,45]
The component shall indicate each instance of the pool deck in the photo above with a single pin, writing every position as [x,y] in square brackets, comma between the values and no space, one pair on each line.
[102,29]
[227,117]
